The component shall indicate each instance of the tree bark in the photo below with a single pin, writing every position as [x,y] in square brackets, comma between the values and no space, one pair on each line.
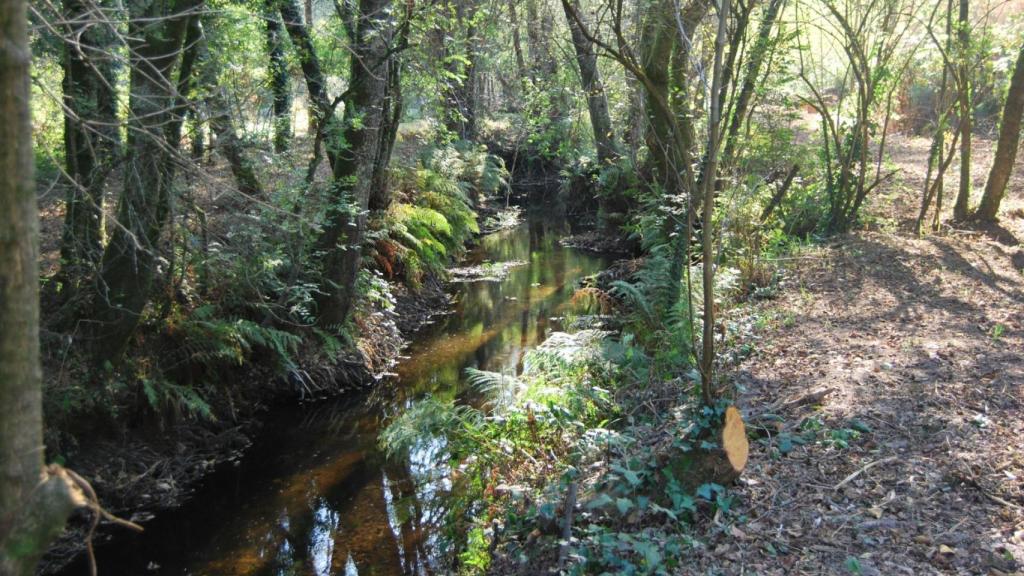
[391,117]
[353,169]
[1006,149]
[597,100]
[91,137]
[129,261]
[962,208]
[228,141]
[316,83]
[33,503]
[279,84]
[751,76]
[517,44]
[658,41]
[707,359]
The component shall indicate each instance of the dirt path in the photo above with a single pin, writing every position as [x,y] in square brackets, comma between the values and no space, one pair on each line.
[899,362]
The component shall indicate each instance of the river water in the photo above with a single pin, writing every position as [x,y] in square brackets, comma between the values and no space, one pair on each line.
[315,495]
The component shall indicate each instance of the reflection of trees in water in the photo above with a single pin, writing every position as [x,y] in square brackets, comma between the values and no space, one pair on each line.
[377,516]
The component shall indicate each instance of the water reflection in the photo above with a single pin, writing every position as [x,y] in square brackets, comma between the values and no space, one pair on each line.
[315,496]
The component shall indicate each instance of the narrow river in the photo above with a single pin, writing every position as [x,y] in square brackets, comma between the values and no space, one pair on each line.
[315,495]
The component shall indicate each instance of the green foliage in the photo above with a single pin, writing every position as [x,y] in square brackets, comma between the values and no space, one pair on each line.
[434,218]
[208,340]
[166,397]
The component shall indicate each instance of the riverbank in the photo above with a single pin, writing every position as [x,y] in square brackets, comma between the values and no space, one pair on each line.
[313,462]
[879,376]
[151,472]
[233,340]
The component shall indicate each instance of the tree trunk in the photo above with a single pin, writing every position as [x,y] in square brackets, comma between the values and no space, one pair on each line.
[538,32]
[707,359]
[33,503]
[279,85]
[223,127]
[391,117]
[316,83]
[962,208]
[658,41]
[353,169]
[129,261]
[91,138]
[517,44]
[597,101]
[1006,149]
[751,76]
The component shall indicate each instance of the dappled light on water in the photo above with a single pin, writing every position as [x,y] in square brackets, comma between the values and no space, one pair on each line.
[316,495]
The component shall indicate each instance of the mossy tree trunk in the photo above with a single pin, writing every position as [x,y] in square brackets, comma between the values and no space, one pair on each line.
[91,138]
[156,32]
[280,87]
[357,159]
[228,141]
[597,100]
[762,47]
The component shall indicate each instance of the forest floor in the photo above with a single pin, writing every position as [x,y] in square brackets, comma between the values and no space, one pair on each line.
[888,386]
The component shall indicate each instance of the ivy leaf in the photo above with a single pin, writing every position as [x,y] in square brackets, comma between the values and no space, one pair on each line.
[707,491]
[785,444]
[624,505]
[860,426]
[599,502]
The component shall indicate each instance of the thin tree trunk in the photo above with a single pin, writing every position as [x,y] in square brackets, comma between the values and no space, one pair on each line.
[316,82]
[91,138]
[391,117]
[279,84]
[939,139]
[228,141]
[517,44]
[543,64]
[707,359]
[962,208]
[597,101]
[1006,149]
[751,76]
[33,503]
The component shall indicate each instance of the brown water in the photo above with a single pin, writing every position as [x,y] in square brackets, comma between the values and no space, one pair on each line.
[315,495]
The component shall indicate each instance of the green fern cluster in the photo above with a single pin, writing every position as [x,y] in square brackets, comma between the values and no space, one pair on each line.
[210,341]
[435,216]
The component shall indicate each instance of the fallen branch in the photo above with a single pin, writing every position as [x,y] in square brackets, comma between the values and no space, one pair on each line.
[862,470]
[93,503]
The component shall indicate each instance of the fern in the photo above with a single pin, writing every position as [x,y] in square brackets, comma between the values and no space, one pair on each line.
[425,419]
[213,342]
[500,389]
[163,396]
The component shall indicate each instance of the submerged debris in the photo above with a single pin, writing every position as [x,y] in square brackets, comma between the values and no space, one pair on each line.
[486,272]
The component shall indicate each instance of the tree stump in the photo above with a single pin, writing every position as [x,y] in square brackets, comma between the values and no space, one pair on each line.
[722,464]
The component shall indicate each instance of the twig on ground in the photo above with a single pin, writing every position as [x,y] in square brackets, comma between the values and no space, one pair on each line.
[862,470]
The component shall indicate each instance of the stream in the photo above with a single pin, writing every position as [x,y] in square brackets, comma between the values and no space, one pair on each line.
[315,495]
